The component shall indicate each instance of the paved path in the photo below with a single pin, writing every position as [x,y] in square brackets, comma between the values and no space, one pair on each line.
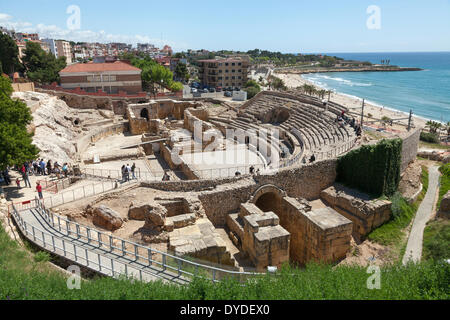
[92,254]
[414,247]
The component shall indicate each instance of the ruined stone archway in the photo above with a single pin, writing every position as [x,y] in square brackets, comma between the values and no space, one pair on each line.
[144,113]
[269,198]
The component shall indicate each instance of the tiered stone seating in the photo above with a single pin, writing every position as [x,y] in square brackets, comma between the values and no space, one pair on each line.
[314,128]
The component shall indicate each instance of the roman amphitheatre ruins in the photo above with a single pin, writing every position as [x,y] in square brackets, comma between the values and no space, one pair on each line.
[242,192]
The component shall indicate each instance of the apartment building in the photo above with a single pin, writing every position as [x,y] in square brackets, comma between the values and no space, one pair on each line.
[64,49]
[230,72]
[110,77]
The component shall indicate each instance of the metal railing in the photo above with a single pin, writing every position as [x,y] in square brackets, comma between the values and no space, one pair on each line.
[141,257]
[83,192]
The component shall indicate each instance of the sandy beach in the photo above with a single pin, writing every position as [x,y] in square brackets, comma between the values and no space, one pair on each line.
[295,80]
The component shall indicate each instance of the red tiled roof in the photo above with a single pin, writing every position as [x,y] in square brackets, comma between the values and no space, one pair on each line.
[99,67]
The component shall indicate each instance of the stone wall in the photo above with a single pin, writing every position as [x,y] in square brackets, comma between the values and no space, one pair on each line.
[116,104]
[366,213]
[83,143]
[410,147]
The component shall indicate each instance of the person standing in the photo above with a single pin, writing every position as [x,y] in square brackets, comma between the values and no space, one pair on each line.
[133,169]
[39,190]
[128,172]
[49,167]
[42,166]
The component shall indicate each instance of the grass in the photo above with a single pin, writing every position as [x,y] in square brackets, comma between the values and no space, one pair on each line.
[436,240]
[392,232]
[25,277]
[444,182]
[429,145]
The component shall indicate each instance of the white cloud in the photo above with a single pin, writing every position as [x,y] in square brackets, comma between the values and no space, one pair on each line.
[55,32]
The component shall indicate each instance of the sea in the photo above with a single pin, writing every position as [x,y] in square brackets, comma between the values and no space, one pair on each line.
[426,93]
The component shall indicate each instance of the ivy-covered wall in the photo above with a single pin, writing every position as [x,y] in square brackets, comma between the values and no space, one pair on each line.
[374,169]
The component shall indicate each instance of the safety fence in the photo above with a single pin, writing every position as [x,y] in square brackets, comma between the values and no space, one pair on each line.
[112,255]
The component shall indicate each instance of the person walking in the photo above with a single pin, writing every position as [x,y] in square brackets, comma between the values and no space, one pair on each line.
[25,177]
[133,169]
[39,190]
[18,183]
[123,169]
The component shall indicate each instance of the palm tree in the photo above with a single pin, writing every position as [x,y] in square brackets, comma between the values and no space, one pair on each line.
[434,126]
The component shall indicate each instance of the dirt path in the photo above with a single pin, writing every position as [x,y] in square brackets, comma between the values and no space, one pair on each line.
[414,247]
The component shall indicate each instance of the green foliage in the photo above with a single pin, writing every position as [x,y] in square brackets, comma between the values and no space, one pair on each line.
[429,137]
[277,83]
[436,240]
[252,88]
[5,86]
[392,232]
[153,74]
[444,182]
[288,59]
[41,66]
[374,169]
[15,143]
[9,54]
[42,256]
[182,72]
[427,280]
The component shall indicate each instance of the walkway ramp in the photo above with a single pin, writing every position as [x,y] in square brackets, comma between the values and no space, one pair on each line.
[107,254]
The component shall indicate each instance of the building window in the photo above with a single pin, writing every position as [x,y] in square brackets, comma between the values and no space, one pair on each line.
[220,78]
[226,71]
[220,71]
[233,71]
[239,64]
[226,78]
[233,77]
[239,77]
[226,63]
[233,64]
[239,70]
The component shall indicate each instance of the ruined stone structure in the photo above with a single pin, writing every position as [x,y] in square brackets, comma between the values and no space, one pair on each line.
[365,212]
[239,219]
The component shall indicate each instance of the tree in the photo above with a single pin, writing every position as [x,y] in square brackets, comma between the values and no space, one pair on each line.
[278,84]
[41,66]
[9,55]
[252,88]
[181,71]
[15,142]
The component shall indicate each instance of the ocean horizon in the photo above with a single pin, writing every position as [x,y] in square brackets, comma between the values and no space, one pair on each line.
[426,92]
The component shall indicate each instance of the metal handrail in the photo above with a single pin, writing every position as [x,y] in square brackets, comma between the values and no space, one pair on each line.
[50,218]
[24,227]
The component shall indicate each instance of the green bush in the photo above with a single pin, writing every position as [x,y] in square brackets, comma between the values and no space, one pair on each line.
[436,240]
[374,169]
[429,137]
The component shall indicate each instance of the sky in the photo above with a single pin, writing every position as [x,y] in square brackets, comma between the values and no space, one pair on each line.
[289,26]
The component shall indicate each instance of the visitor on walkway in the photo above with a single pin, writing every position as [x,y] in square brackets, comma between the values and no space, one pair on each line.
[49,167]
[65,169]
[133,169]
[122,170]
[18,183]
[42,167]
[25,177]
[252,170]
[6,177]
[39,190]
[312,159]
[127,172]
[166,176]
[35,167]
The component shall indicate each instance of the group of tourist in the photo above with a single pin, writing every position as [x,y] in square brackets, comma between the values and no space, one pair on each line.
[343,119]
[128,171]
[42,168]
